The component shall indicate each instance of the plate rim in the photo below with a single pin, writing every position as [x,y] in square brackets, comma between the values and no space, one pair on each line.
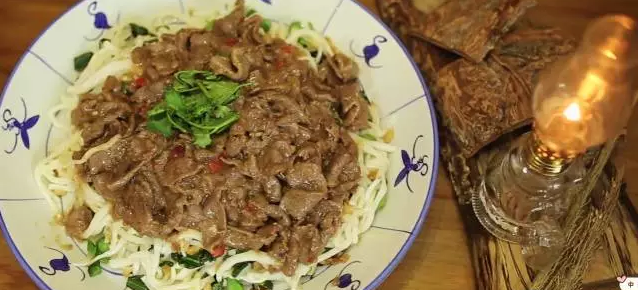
[431,191]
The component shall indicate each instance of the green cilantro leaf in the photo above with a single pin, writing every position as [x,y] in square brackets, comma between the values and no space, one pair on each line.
[160,125]
[196,103]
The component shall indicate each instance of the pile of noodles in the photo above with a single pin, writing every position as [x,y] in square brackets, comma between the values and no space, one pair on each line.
[133,254]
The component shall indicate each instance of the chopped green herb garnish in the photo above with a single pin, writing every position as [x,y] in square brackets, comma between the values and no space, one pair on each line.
[251,12]
[209,25]
[294,26]
[102,246]
[196,103]
[303,42]
[233,284]
[138,30]
[136,283]
[368,136]
[126,88]
[268,285]
[193,261]
[91,248]
[81,61]
[237,268]
[266,24]
[95,269]
[383,202]
[217,286]
[312,27]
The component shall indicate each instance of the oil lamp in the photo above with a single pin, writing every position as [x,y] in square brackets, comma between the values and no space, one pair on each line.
[579,103]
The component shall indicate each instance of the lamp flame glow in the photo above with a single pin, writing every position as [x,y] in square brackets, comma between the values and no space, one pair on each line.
[572,112]
[587,100]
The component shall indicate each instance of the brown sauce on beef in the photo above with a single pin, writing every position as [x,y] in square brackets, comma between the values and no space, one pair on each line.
[276,181]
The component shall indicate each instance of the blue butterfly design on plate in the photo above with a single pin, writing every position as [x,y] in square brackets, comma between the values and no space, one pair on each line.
[20,128]
[371,51]
[344,280]
[100,20]
[59,264]
[267,1]
[412,164]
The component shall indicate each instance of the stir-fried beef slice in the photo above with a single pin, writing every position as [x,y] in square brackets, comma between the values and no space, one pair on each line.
[149,95]
[327,217]
[275,158]
[268,233]
[102,116]
[289,161]
[343,166]
[303,245]
[344,67]
[307,176]
[249,31]
[310,243]
[164,59]
[238,65]
[145,208]
[243,240]
[113,159]
[77,221]
[297,203]
[229,25]
[354,108]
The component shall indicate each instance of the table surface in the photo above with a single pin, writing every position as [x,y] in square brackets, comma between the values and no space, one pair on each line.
[440,257]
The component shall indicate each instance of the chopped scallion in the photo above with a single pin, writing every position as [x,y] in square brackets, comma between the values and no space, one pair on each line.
[102,246]
[238,268]
[136,283]
[266,24]
[383,202]
[138,30]
[233,284]
[217,286]
[95,269]
[368,136]
[91,248]
[294,26]
[209,25]
[81,61]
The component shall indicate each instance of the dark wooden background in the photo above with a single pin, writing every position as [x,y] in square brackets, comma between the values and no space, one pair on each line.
[439,259]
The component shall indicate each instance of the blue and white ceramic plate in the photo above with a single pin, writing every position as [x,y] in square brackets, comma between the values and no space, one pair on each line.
[388,75]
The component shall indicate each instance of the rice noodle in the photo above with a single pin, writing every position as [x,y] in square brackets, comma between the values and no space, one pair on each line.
[135,254]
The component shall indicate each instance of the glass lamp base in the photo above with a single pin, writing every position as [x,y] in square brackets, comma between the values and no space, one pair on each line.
[520,203]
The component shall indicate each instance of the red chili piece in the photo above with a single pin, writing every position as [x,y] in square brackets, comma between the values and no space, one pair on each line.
[232,41]
[218,251]
[215,165]
[140,82]
[287,49]
[178,151]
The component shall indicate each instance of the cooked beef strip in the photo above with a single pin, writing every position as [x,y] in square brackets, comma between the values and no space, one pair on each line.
[289,161]
[77,221]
